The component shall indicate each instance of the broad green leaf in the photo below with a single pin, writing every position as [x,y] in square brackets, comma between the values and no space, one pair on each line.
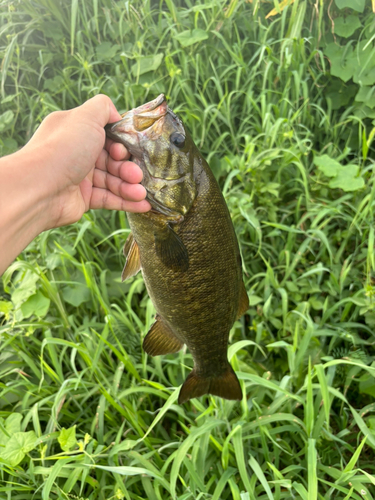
[9,98]
[145,64]
[6,119]
[106,51]
[37,304]
[254,300]
[346,26]
[188,37]
[343,62]
[365,63]
[18,445]
[9,145]
[5,308]
[316,304]
[9,427]
[358,5]
[76,294]
[327,165]
[54,84]
[67,438]
[366,95]
[25,288]
[13,423]
[340,93]
[127,444]
[366,76]
[347,179]
[367,386]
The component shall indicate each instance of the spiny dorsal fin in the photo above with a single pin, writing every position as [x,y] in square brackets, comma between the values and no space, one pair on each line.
[170,249]
[133,262]
[161,340]
[244,301]
[225,386]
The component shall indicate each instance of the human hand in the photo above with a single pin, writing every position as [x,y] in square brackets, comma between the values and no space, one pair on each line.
[61,173]
[79,169]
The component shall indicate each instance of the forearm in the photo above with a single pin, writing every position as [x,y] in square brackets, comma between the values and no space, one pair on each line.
[23,205]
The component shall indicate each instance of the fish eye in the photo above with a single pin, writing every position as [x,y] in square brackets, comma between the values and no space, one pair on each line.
[177,139]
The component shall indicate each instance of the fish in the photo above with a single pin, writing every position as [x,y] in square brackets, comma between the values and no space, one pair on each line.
[186,248]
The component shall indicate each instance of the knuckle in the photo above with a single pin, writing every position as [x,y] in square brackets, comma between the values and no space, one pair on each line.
[55,117]
[102,98]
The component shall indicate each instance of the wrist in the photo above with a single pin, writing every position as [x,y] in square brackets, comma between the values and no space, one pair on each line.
[23,204]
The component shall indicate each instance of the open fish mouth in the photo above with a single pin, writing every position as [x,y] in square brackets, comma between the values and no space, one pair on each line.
[142,122]
[149,106]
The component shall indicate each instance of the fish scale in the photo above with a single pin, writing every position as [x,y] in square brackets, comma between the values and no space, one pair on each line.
[188,255]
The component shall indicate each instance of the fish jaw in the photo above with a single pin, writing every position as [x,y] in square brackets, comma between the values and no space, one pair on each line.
[144,122]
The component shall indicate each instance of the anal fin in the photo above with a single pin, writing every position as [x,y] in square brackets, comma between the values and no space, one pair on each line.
[225,386]
[244,301]
[161,340]
[133,261]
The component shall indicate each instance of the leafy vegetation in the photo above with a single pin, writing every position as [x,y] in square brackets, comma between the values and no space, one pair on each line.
[279,97]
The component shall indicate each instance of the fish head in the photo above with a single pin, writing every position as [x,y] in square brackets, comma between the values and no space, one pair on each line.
[159,143]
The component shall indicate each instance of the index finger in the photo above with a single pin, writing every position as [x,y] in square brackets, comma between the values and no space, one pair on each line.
[118,151]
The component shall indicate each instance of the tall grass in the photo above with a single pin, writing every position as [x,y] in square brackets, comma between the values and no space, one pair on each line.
[253,92]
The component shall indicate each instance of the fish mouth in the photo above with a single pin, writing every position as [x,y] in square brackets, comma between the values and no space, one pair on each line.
[142,122]
[149,106]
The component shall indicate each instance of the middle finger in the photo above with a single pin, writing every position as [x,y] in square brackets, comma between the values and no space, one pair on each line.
[127,191]
[128,171]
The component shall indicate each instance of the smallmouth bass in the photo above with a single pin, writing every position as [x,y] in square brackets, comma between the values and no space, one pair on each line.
[186,248]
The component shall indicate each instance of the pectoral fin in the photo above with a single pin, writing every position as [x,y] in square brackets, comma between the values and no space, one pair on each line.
[170,249]
[128,244]
[161,340]
[244,301]
[133,262]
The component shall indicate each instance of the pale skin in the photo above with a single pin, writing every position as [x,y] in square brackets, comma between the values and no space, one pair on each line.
[67,168]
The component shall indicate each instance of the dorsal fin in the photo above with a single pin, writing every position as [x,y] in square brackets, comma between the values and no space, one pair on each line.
[244,301]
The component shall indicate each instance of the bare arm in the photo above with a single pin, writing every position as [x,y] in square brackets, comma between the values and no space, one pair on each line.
[66,168]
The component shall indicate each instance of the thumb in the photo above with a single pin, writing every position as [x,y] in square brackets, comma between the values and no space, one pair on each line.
[101,110]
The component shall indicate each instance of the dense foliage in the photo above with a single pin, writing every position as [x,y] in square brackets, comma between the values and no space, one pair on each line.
[280,98]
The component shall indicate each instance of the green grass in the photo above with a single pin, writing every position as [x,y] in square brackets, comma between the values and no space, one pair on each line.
[260,102]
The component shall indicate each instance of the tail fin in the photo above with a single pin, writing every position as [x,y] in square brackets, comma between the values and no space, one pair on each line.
[225,386]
